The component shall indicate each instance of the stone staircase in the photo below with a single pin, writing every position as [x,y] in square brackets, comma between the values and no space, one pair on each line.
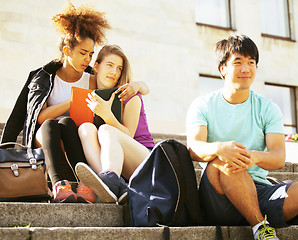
[34,221]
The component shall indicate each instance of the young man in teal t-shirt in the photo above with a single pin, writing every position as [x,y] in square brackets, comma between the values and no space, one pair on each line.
[237,135]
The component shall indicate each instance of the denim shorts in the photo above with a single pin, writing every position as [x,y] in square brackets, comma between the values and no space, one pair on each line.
[218,210]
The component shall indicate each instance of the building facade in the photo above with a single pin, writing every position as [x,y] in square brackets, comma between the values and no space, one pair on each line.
[170,45]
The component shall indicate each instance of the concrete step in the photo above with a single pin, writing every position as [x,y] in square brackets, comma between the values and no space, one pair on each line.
[140,233]
[282,176]
[62,215]
[100,221]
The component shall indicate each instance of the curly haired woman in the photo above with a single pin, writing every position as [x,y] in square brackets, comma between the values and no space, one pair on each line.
[42,108]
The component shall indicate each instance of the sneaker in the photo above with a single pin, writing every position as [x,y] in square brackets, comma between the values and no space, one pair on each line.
[85,194]
[265,232]
[105,184]
[123,195]
[63,193]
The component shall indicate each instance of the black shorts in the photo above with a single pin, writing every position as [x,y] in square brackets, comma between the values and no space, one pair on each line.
[218,209]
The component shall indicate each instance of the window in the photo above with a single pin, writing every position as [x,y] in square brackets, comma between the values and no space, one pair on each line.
[208,84]
[275,18]
[285,98]
[214,13]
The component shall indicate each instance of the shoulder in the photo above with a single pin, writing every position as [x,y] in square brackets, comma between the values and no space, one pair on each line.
[269,112]
[204,101]
[52,66]
[136,98]
[259,98]
[265,104]
[201,106]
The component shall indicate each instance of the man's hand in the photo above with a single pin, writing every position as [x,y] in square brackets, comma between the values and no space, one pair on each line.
[235,156]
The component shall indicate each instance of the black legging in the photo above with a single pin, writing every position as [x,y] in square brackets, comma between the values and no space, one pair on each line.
[53,132]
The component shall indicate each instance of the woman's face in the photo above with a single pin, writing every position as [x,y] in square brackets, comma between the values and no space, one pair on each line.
[108,71]
[81,55]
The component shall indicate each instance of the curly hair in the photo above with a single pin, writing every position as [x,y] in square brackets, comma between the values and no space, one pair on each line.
[77,24]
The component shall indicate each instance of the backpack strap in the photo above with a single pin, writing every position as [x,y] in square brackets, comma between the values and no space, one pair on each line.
[190,184]
[179,157]
[171,155]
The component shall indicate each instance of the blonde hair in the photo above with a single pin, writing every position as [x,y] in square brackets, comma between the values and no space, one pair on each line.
[77,24]
[114,49]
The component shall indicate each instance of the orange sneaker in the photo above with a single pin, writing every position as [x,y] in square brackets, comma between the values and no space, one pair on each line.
[63,193]
[85,194]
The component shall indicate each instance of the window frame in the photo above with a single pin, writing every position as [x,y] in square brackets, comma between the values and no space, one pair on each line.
[204,75]
[230,27]
[289,27]
[294,103]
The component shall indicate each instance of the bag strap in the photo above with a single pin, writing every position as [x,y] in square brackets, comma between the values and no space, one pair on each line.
[32,160]
[12,143]
[171,156]
[190,183]
[187,177]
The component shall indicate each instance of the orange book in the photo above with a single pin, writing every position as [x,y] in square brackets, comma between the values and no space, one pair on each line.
[79,111]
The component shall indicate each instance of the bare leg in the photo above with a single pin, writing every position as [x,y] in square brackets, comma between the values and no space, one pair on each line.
[91,147]
[290,206]
[239,189]
[119,152]
[38,139]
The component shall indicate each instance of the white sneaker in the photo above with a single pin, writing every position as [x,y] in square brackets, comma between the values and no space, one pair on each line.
[265,232]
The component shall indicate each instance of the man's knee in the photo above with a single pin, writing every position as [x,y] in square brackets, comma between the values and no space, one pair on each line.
[217,166]
[219,176]
[214,167]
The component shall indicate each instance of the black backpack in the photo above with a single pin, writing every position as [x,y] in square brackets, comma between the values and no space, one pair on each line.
[163,189]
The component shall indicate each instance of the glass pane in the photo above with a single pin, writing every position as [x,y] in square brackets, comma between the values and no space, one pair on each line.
[284,97]
[208,85]
[213,12]
[274,17]
[290,130]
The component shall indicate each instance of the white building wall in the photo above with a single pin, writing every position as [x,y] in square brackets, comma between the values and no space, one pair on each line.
[167,49]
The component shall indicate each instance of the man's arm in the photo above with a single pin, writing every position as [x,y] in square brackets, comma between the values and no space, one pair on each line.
[232,153]
[274,158]
[199,149]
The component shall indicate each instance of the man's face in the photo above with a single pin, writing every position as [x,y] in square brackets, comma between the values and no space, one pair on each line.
[239,71]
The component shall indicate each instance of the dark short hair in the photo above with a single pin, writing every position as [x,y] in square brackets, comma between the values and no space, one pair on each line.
[235,44]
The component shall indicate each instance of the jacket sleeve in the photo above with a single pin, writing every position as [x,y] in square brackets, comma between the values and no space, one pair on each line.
[16,120]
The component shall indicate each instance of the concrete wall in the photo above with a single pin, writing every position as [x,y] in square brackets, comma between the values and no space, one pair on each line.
[166,48]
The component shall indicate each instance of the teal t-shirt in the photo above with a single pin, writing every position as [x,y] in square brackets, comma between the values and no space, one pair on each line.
[246,123]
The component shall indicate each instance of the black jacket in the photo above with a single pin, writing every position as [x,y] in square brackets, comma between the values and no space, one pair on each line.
[29,103]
